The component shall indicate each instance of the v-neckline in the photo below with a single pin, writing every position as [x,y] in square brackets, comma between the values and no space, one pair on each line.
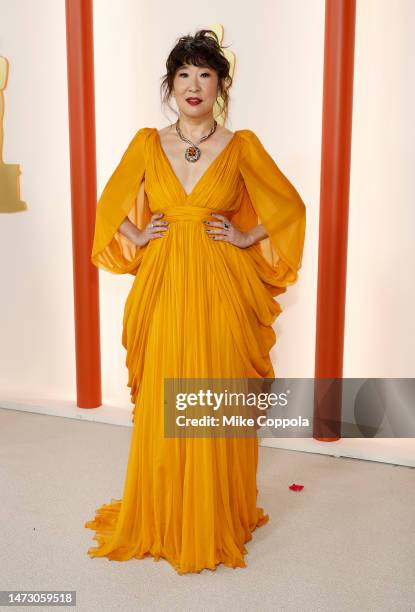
[203,176]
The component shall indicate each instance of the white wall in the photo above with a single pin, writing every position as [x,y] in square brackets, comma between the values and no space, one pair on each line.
[380,303]
[277,92]
[36,308]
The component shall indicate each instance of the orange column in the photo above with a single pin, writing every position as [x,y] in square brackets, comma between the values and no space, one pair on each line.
[334,212]
[81,107]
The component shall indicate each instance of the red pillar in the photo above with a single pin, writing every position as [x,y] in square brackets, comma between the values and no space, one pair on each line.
[81,107]
[334,209]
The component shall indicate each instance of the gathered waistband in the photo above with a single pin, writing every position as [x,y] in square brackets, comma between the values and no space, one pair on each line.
[186,212]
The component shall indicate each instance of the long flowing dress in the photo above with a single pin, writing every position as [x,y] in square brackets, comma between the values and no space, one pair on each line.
[197,307]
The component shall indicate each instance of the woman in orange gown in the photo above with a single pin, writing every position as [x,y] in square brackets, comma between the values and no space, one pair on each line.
[201,305]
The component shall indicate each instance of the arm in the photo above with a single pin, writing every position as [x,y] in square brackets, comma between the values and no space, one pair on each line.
[233,235]
[256,234]
[111,251]
[154,229]
[273,200]
[130,231]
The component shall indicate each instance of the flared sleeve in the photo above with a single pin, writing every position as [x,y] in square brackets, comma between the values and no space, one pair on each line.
[123,196]
[273,201]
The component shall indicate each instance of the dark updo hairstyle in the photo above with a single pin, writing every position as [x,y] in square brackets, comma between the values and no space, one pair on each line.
[202,49]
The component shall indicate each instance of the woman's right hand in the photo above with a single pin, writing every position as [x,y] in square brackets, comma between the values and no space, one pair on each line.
[152,230]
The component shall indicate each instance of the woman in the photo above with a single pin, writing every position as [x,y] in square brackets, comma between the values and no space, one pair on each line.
[184,221]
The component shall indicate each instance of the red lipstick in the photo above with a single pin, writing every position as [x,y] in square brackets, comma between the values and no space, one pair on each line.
[193,101]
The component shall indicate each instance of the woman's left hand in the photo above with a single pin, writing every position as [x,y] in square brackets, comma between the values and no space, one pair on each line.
[224,230]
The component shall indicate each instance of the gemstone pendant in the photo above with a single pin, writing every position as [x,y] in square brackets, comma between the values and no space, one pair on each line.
[192,153]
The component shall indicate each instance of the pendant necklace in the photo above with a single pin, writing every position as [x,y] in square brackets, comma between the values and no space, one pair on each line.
[193,153]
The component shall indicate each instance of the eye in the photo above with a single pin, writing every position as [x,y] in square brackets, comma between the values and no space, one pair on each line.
[207,73]
[182,73]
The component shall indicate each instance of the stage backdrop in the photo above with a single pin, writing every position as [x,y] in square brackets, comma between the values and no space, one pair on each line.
[277,93]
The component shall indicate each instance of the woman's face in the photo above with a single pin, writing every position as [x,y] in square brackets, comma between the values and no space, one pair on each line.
[195,82]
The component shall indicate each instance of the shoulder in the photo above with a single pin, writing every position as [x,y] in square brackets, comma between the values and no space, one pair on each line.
[140,137]
[138,142]
[250,143]
[143,133]
[248,138]
[136,150]
[247,135]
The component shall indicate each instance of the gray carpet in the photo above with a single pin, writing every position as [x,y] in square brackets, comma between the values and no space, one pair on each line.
[345,542]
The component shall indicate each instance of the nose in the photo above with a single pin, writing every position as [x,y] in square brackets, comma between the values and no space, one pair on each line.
[193,86]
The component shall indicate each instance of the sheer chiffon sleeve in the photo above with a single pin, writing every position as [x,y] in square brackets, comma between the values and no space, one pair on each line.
[123,196]
[273,201]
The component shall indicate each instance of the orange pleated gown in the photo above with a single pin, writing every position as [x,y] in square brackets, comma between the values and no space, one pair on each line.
[197,308]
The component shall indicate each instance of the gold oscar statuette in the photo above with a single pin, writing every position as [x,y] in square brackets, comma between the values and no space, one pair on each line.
[9,173]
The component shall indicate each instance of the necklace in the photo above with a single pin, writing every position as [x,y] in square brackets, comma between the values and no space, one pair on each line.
[193,153]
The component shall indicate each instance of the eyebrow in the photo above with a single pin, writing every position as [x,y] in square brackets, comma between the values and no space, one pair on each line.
[187,67]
